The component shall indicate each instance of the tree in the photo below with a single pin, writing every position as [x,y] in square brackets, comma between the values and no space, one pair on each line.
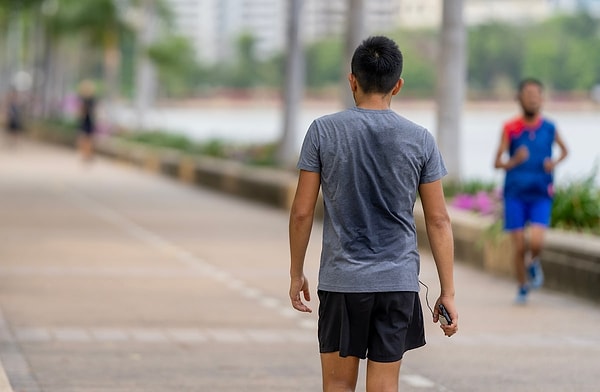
[294,85]
[451,85]
[324,60]
[355,30]
[495,52]
[103,23]
[245,70]
[174,56]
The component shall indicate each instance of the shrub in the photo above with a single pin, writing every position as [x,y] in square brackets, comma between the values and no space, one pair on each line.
[251,154]
[577,206]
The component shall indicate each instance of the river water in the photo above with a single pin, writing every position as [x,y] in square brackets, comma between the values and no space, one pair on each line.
[481,124]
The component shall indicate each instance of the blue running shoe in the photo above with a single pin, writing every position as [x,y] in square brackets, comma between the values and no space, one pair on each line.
[521,298]
[536,274]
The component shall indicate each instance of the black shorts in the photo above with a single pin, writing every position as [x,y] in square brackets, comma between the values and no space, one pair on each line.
[380,326]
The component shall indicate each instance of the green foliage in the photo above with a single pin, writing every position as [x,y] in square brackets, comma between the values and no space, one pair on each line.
[163,139]
[251,154]
[271,71]
[563,52]
[495,53]
[324,63]
[175,58]
[419,69]
[100,21]
[213,148]
[577,206]
[128,64]
[245,73]
[469,187]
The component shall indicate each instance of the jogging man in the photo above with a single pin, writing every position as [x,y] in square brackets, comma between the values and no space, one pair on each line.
[528,184]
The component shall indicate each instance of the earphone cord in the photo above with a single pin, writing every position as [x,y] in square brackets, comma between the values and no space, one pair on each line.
[427,296]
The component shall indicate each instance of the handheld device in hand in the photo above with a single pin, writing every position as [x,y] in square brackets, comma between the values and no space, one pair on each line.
[444,316]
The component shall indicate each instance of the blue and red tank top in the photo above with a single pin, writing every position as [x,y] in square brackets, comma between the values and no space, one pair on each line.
[528,180]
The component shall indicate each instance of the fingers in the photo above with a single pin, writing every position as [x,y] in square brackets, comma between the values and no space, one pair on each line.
[306,293]
[450,329]
[299,305]
[298,286]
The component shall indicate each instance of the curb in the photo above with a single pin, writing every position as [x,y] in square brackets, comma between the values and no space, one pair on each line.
[571,261]
[4,384]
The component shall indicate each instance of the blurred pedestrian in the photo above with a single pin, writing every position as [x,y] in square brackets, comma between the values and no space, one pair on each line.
[86,119]
[369,163]
[528,186]
[14,116]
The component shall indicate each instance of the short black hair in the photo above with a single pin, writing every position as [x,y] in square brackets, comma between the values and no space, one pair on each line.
[527,81]
[377,64]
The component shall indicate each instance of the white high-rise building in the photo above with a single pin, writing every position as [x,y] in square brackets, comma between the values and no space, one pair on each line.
[419,13]
[215,25]
[513,11]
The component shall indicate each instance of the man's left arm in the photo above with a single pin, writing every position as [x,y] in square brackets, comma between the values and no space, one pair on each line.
[300,227]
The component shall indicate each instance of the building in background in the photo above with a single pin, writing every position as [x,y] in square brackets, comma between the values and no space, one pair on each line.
[418,14]
[328,18]
[511,11]
[215,25]
[591,6]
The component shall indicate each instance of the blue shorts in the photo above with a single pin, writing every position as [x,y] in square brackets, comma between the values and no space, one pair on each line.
[518,212]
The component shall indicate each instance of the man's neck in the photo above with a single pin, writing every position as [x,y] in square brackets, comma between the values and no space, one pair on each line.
[531,119]
[373,101]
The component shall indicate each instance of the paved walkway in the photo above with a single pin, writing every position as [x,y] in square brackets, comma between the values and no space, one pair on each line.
[114,279]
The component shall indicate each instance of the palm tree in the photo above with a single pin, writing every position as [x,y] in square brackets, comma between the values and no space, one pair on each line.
[451,85]
[103,23]
[145,82]
[15,18]
[294,85]
[355,30]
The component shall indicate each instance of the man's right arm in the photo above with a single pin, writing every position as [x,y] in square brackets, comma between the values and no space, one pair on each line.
[300,227]
[439,233]
[520,156]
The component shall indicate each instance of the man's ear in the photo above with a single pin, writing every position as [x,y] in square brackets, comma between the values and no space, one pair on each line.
[353,82]
[398,86]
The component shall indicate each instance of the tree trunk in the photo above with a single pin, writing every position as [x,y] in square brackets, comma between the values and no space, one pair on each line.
[145,82]
[293,88]
[112,60]
[13,44]
[355,30]
[37,60]
[451,86]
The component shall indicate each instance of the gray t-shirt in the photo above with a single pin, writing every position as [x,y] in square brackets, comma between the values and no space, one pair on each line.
[371,163]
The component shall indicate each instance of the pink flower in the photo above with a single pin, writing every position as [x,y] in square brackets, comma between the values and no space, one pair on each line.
[484,203]
[463,202]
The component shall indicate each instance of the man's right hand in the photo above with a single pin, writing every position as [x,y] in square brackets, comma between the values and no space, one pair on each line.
[521,155]
[297,286]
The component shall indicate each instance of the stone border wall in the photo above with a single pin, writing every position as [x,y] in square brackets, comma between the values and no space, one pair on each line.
[571,261]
